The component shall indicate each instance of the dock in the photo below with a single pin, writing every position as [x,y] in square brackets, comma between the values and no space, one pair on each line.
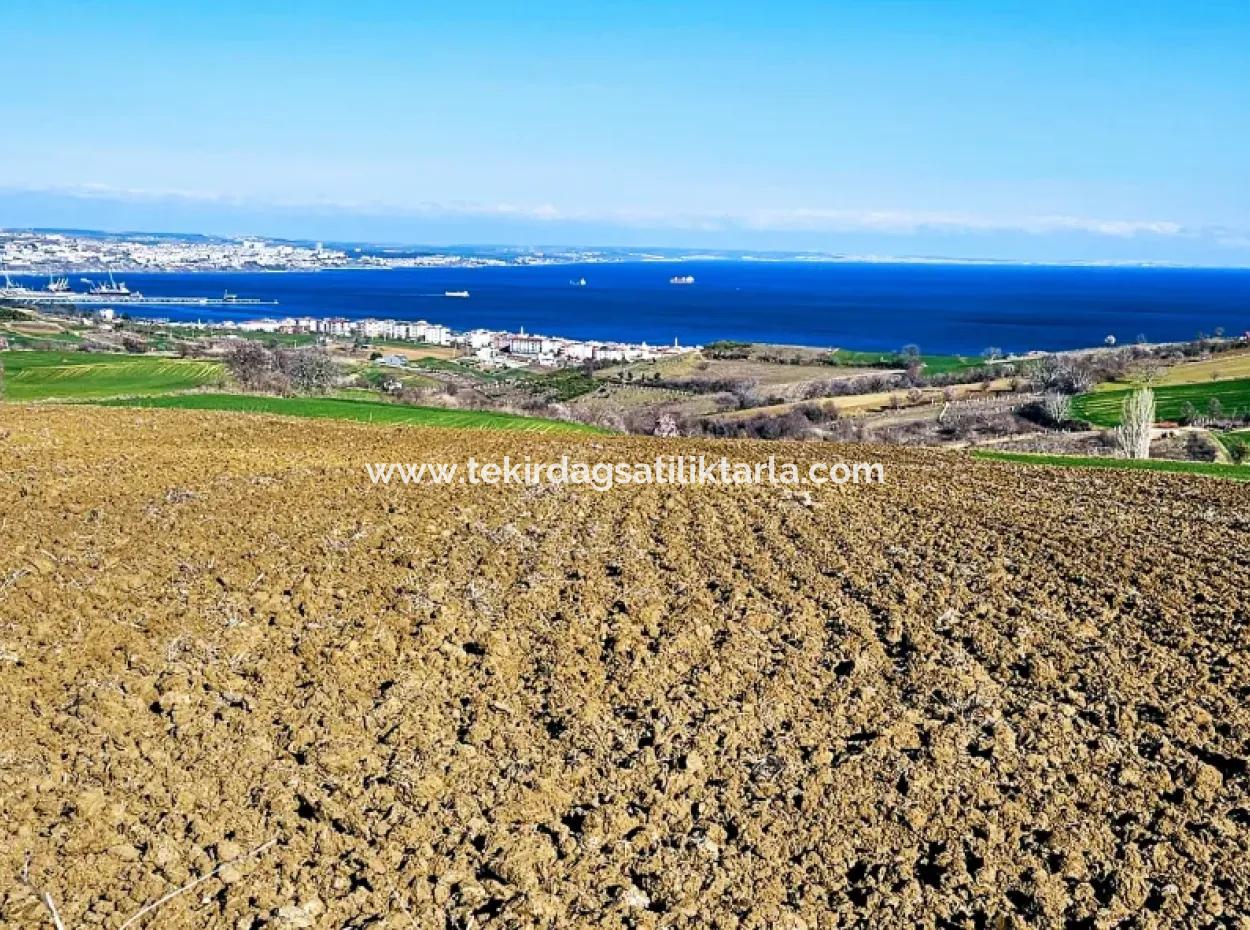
[103,300]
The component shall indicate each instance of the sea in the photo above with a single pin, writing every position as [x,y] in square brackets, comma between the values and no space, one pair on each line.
[876,306]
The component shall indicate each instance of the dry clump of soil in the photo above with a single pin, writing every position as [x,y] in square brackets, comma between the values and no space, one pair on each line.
[980,696]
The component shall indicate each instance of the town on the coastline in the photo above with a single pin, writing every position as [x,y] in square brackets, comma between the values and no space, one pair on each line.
[52,252]
[489,348]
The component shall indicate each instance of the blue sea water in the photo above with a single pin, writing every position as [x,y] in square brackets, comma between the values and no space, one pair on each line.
[941,308]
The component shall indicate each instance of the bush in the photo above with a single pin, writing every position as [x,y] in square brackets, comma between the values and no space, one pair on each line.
[1238,449]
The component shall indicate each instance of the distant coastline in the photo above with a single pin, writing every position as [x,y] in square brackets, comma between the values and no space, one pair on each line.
[959,308]
[52,251]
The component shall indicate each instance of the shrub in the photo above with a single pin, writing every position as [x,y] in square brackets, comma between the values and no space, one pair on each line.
[1238,449]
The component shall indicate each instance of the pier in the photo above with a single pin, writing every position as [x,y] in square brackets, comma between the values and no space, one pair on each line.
[110,300]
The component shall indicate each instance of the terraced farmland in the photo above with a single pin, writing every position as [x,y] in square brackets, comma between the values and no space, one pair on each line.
[1102,408]
[979,695]
[36,376]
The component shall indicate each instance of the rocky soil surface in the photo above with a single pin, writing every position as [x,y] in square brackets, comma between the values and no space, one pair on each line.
[981,696]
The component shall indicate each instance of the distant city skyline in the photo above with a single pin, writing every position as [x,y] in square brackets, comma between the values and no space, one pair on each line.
[963,129]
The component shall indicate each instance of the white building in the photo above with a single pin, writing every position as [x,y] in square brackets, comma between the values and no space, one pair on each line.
[437,334]
[373,329]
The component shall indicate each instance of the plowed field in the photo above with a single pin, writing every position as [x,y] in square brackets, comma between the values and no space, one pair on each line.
[983,695]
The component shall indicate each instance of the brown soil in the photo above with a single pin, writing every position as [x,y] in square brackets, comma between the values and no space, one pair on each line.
[981,696]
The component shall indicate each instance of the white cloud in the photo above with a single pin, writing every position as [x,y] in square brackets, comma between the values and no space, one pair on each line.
[801,219]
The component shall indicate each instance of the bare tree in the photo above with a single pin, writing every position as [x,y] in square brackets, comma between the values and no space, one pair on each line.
[1068,374]
[667,426]
[251,364]
[311,371]
[1132,436]
[133,344]
[1057,406]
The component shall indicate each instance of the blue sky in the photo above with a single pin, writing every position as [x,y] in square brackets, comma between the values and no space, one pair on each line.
[1044,130]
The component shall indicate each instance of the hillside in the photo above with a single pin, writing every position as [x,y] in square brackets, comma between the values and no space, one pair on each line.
[981,695]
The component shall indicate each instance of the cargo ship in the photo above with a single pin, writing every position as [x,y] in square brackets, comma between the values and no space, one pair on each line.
[112,289]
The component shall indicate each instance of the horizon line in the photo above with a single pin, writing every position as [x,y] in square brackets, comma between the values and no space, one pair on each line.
[637,252]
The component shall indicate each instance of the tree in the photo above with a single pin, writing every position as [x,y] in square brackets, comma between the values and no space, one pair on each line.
[911,350]
[1068,374]
[1137,417]
[310,371]
[666,426]
[251,364]
[1057,407]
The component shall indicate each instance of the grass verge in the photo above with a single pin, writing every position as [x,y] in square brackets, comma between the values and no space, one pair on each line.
[1209,469]
[359,410]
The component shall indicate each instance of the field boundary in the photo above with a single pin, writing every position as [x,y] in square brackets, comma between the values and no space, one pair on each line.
[357,411]
[1168,466]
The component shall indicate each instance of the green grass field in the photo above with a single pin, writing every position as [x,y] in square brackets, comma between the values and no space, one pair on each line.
[84,376]
[358,410]
[1208,469]
[378,375]
[933,364]
[1102,408]
[20,340]
[166,332]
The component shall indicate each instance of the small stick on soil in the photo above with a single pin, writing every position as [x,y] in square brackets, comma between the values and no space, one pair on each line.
[56,918]
[187,887]
[43,895]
